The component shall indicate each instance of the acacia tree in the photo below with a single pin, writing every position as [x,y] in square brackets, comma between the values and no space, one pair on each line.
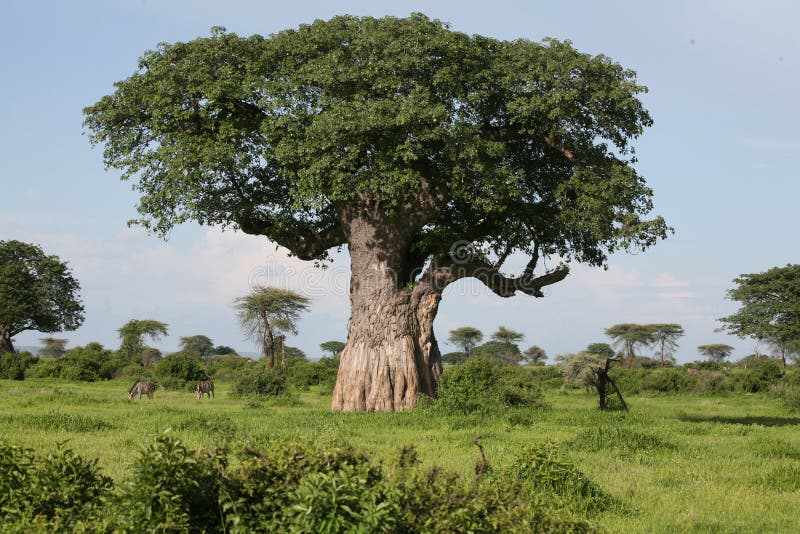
[770,307]
[716,352]
[132,336]
[665,337]
[268,311]
[37,292]
[53,347]
[465,337]
[333,348]
[199,345]
[534,355]
[627,336]
[432,155]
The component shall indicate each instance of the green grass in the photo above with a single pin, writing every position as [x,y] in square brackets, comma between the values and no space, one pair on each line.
[677,464]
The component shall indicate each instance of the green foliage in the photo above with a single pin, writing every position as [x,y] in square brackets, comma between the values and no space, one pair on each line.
[534,355]
[670,380]
[301,373]
[466,338]
[770,305]
[170,490]
[580,370]
[268,311]
[716,352]
[50,493]
[665,339]
[453,358]
[52,347]
[261,381]
[132,336]
[542,469]
[619,439]
[179,370]
[45,368]
[333,348]
[89,363]
[200,346]
[505,352]
[484,384]
[277,134]
[760,376]
[38,292]
[228,367]
[628,336]
[14,364]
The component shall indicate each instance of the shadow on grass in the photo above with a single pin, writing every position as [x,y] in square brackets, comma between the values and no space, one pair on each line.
[746,420]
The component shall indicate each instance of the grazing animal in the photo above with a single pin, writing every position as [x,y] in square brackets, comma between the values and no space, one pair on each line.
[143,386]
[207,387]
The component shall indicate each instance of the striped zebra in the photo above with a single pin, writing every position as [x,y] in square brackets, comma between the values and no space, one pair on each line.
[143,386]
[207,387]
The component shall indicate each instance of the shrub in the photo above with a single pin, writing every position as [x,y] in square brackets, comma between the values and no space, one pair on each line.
[45,368]
[486,383]
[14,364]
[759,376]
[673,380]
[170,490]
[261,381]
[180,370]
[51,492]
[88,363]
[714,382]
[228,367]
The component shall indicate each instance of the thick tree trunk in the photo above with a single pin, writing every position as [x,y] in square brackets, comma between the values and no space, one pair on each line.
[391,354]
[5,341]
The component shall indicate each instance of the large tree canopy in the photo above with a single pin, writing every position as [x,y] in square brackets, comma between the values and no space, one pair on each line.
[37,292]
[770,307]
[433,155]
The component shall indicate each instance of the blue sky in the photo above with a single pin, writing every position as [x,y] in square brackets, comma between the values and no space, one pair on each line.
[722,158]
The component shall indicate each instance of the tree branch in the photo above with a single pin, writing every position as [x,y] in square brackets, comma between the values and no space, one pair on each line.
[305,243]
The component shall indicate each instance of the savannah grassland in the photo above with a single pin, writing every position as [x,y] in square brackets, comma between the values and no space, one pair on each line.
[722,463]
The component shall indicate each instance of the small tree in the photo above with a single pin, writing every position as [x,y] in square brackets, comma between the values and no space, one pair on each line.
[591,371]
[52,347]
[333,348]
[665,337]
[265,312]
[628,336]
[716,352]
[132,336]
[601,349]
[200,346]
[466,338]
[37,292]
[534,355]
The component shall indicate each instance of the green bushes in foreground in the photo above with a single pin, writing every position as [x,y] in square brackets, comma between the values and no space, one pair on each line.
[281,486]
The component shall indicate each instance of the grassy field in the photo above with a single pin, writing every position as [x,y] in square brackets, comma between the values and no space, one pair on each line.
[683,463]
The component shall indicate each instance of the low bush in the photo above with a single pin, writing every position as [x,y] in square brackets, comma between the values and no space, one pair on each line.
[261,381]
[485,384]
[180,371]
[669,380]
[759,376]
[51,493]
[45,368]
[14,364]
[228,367]
[280,486]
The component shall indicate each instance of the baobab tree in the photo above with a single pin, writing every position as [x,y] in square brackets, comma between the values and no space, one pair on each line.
[432,155]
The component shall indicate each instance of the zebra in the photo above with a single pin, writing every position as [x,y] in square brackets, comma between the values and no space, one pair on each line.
[142,386]
[207,387]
